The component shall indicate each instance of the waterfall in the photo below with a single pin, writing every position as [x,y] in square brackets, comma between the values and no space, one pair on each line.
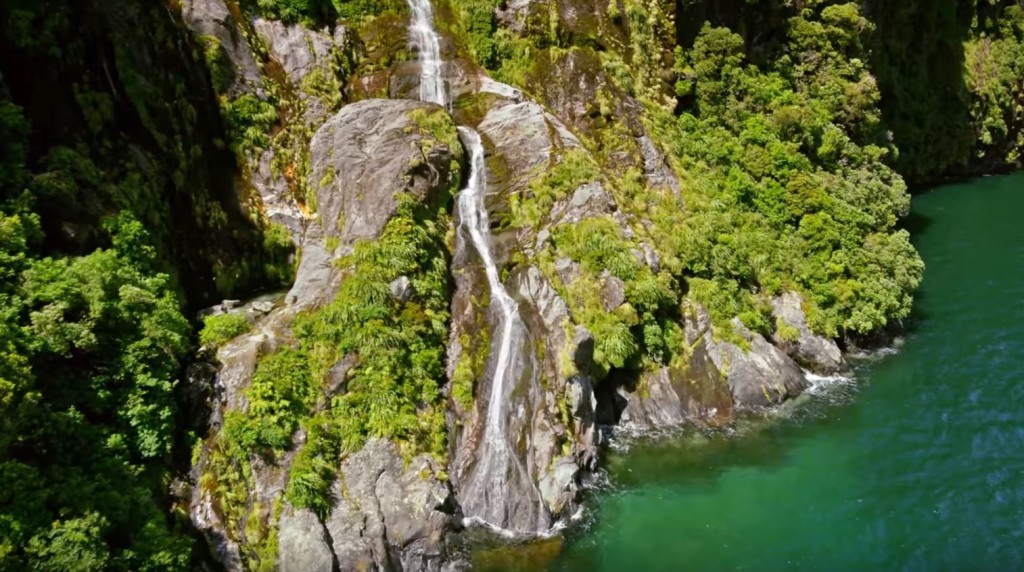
[424,38]
[498,491]
[475,223]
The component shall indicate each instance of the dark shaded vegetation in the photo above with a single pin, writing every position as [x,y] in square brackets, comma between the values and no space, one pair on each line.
[118,215]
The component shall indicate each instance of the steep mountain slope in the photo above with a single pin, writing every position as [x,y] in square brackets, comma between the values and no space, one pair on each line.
[669,213]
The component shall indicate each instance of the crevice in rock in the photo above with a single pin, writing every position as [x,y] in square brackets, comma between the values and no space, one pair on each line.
[335,565]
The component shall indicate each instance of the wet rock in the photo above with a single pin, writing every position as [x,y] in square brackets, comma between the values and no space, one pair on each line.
[810,350]
[558,487]
[583,407]
[653,404]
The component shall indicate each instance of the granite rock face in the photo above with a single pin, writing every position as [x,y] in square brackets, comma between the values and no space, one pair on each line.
[388,515]
[366,154]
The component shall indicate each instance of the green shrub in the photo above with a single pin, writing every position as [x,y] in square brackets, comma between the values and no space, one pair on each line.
[572,170]
[248,120]
[219,329]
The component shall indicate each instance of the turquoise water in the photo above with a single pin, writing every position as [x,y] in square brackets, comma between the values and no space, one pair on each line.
[917,465]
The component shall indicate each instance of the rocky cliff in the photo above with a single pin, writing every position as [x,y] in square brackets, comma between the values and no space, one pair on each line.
[614,216]
[572,172]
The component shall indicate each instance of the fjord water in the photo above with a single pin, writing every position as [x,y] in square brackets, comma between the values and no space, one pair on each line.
[917,465]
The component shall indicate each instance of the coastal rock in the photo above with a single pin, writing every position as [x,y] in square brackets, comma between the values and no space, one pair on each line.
[668,396]
[816,353]
[559,486]
[758,376]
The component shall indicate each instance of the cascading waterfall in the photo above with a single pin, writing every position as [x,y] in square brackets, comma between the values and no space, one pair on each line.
[424,38]
[476,224]
[499,491]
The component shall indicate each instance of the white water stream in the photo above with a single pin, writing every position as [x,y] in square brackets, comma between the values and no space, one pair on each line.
[476,224]
[423,36]
[499,492]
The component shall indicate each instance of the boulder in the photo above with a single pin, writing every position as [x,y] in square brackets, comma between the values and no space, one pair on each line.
[758,376]
[816,353]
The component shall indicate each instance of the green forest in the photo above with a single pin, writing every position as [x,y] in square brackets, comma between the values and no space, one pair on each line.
[800,126]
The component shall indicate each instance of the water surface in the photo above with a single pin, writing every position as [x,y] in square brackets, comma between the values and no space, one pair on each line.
[918,465]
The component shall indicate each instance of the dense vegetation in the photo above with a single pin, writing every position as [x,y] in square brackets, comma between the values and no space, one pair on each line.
[792,125]
[797,192]
[115,219]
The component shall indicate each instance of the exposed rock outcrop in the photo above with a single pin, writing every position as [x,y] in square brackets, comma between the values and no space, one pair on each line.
[214,21]
[365,154]
[386,513]
[810,350]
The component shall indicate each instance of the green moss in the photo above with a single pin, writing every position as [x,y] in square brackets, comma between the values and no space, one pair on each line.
[324,84]
[437,125]
[248,120]
[217,63]
[786,332]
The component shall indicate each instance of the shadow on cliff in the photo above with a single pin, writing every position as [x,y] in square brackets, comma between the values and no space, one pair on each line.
[144,129]
[918,59]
